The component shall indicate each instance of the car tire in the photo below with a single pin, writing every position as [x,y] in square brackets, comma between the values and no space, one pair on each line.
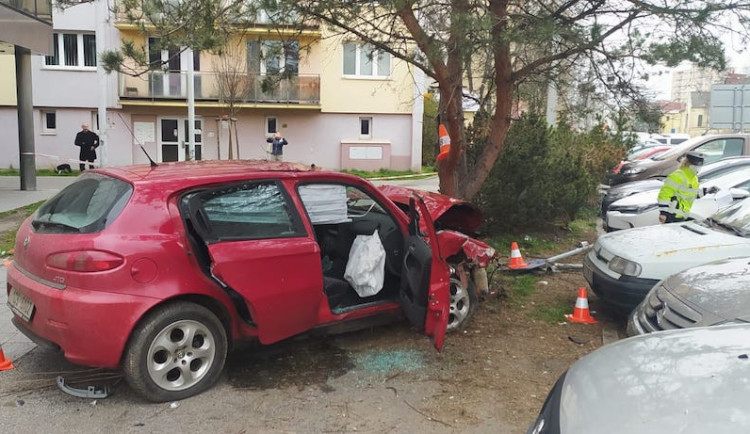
[161,365]
[463,303]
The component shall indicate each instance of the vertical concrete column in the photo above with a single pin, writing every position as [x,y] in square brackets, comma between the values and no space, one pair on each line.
[25,119]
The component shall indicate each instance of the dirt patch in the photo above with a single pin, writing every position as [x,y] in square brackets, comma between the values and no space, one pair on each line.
[11,221]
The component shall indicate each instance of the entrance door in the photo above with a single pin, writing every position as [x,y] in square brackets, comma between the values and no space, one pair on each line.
[174,142]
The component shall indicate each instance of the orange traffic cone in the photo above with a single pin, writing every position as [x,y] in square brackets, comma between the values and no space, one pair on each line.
[516,260]
[5,364]
[581,311]
[445,143]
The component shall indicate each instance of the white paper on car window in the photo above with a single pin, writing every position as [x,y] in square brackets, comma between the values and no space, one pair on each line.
[325,203]
[723,198]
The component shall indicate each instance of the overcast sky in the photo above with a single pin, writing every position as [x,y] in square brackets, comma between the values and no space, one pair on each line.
[660,81]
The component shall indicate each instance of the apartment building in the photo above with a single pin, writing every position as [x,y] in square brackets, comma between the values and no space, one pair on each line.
[338,103]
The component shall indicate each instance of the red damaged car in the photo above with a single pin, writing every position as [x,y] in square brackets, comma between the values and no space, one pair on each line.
[161,270]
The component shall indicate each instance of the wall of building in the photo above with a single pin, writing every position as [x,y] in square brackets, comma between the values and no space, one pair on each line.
[328,137]
[339,94]
[60,86]
[694,79]
[673,123]
[317,138]
[8,83]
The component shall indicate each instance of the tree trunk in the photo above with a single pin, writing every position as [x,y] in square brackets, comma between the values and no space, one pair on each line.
[453,169]
[231,148]
[500,123]
[452,116]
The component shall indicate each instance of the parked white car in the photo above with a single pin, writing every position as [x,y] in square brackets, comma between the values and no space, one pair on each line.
[642,209]
[623,266]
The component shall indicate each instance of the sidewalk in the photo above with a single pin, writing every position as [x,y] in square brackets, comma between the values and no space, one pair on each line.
[11,196]
[13,342]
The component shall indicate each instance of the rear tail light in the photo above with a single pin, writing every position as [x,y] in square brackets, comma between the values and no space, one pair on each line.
[85,261]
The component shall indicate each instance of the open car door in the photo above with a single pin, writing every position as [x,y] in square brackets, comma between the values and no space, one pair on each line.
[252,236]
[425,276]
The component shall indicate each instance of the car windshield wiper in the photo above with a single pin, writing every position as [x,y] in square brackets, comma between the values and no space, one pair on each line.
[39,223]
[736,230]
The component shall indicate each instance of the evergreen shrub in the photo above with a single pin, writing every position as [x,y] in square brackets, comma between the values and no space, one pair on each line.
[544,176]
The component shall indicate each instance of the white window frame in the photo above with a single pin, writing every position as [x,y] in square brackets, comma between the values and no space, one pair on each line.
[267,127]
[46,130]
[368,120]
[61,53]
[377,74]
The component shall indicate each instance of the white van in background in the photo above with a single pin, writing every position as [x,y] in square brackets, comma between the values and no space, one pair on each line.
[670,139]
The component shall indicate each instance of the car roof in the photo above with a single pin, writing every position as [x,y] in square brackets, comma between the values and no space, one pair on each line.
[178,175]
[662,382]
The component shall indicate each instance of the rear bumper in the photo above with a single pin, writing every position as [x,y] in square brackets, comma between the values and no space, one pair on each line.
[89,327]
[625,292]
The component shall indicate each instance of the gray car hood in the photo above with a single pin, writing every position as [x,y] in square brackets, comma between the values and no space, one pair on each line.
[683,381]
[721,288]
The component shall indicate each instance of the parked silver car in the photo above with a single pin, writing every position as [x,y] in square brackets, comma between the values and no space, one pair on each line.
[710,294]
[679,381]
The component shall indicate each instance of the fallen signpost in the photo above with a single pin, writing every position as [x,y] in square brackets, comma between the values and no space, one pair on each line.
[549,264]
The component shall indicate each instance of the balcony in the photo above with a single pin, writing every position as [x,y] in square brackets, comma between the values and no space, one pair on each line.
[40,9]
[220,88]
[27,24]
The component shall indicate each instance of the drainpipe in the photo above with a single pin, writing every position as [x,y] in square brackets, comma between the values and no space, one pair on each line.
[190,104]
[102,18]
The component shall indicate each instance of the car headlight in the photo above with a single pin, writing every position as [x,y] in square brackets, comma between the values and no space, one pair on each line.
[633,170]
[623,266]
[634,209]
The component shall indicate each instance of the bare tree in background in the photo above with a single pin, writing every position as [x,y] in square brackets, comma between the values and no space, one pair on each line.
[233,88]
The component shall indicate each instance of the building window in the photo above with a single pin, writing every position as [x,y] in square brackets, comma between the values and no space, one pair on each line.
[365,61]
[365,128]
[49,122]
[73,50]
[94,121]
[700,120]
[271,125]
[273,57]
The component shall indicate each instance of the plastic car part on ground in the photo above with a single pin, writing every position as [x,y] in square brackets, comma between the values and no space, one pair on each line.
[551,262]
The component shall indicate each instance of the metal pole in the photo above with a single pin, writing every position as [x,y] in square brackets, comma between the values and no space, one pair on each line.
[102,12]
[191,103]
[24,97]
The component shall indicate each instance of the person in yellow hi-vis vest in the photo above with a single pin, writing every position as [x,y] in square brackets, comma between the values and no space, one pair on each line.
[680,190]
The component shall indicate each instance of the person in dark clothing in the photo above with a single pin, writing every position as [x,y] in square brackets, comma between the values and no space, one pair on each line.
[277,146]
[88,141]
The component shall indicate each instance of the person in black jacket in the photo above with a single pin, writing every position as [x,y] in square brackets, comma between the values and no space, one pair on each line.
[88,141]
[277,146]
